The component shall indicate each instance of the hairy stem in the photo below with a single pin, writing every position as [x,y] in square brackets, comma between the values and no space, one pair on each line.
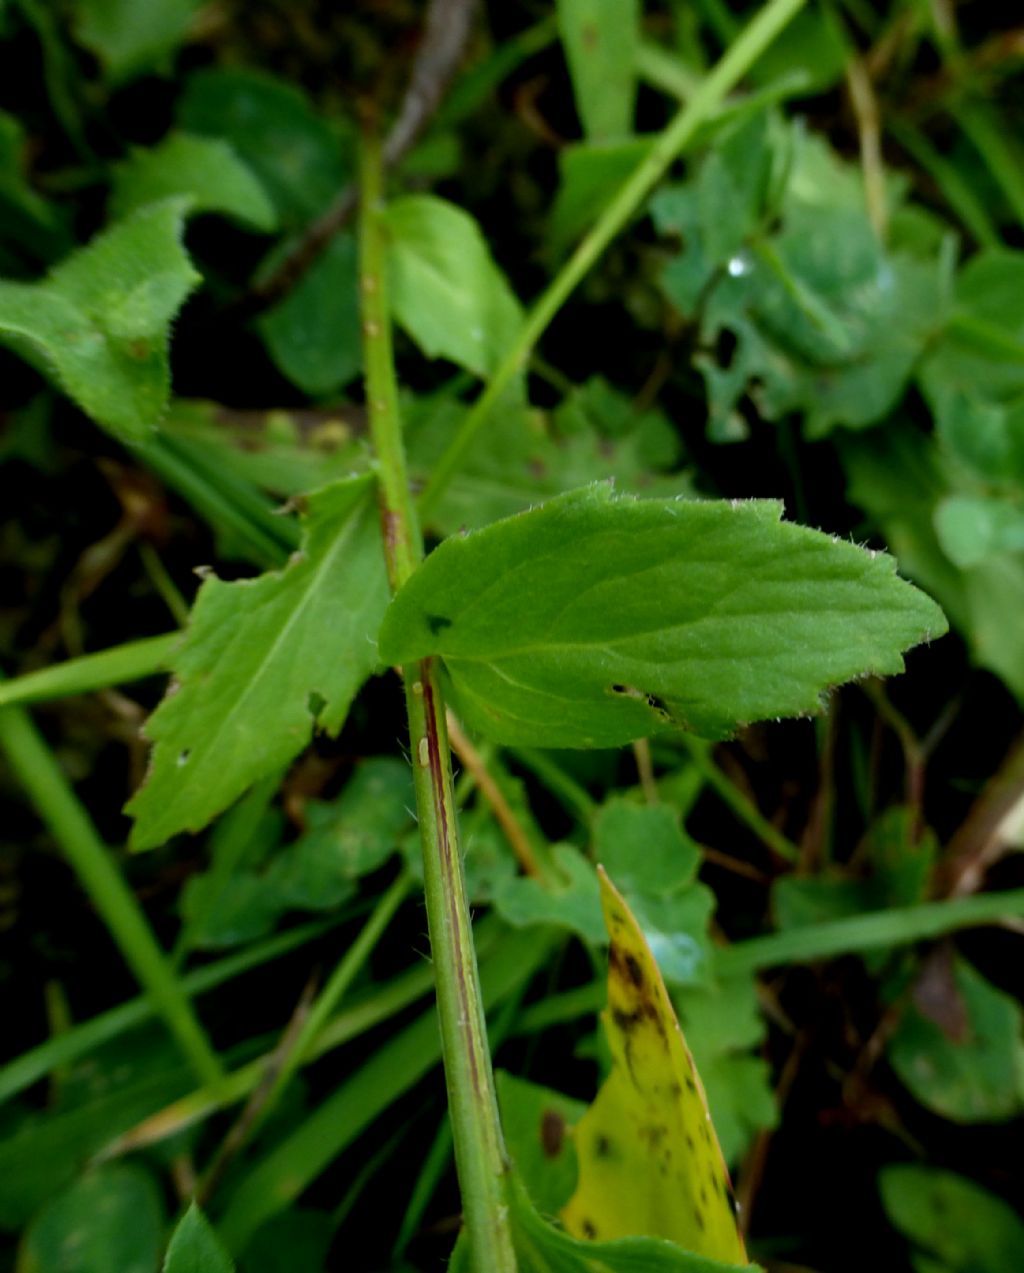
[479,1149]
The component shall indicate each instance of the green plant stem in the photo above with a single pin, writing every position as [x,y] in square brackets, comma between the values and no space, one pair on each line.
[743,808]
[479,1149]
[898,927]
[58,807]
[81,1039]
[129,662]
[738,58]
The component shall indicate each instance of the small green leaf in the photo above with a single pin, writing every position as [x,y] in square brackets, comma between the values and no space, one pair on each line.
[899,476]
[111,1218]
[600,38]
[195,1248]
[981,354]
[257,654]
[643,848]
[204,169]
[131,38]
[591,621]
[589,174]
[298,157]
[966,1228]
[975,1078]
[573,903]
[446,290]
[537,1122]
[723,1022]
[313,335]
[99,322]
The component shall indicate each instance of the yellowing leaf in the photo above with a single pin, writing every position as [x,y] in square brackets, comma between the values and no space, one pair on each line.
[649,1159]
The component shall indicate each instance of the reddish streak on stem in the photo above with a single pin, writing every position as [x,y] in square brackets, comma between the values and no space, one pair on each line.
[451,867]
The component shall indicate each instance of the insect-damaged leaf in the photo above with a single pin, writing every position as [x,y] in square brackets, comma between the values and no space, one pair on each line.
[649,1161]
[593,620]
[263,660]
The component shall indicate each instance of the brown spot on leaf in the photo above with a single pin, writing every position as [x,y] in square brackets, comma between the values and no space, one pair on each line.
[552,1133]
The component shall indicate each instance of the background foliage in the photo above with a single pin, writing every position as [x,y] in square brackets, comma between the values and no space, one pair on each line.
[822,304]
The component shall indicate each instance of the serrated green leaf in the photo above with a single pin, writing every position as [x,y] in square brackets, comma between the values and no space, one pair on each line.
[591,621]
[111,1218]
[99,322]
[600,38]
[446,290]
[265,660]
[195,1248]
[130,38]
[206,170]
[313,335]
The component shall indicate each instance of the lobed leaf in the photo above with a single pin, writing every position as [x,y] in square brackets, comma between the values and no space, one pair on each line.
[264,661]
[594,620]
